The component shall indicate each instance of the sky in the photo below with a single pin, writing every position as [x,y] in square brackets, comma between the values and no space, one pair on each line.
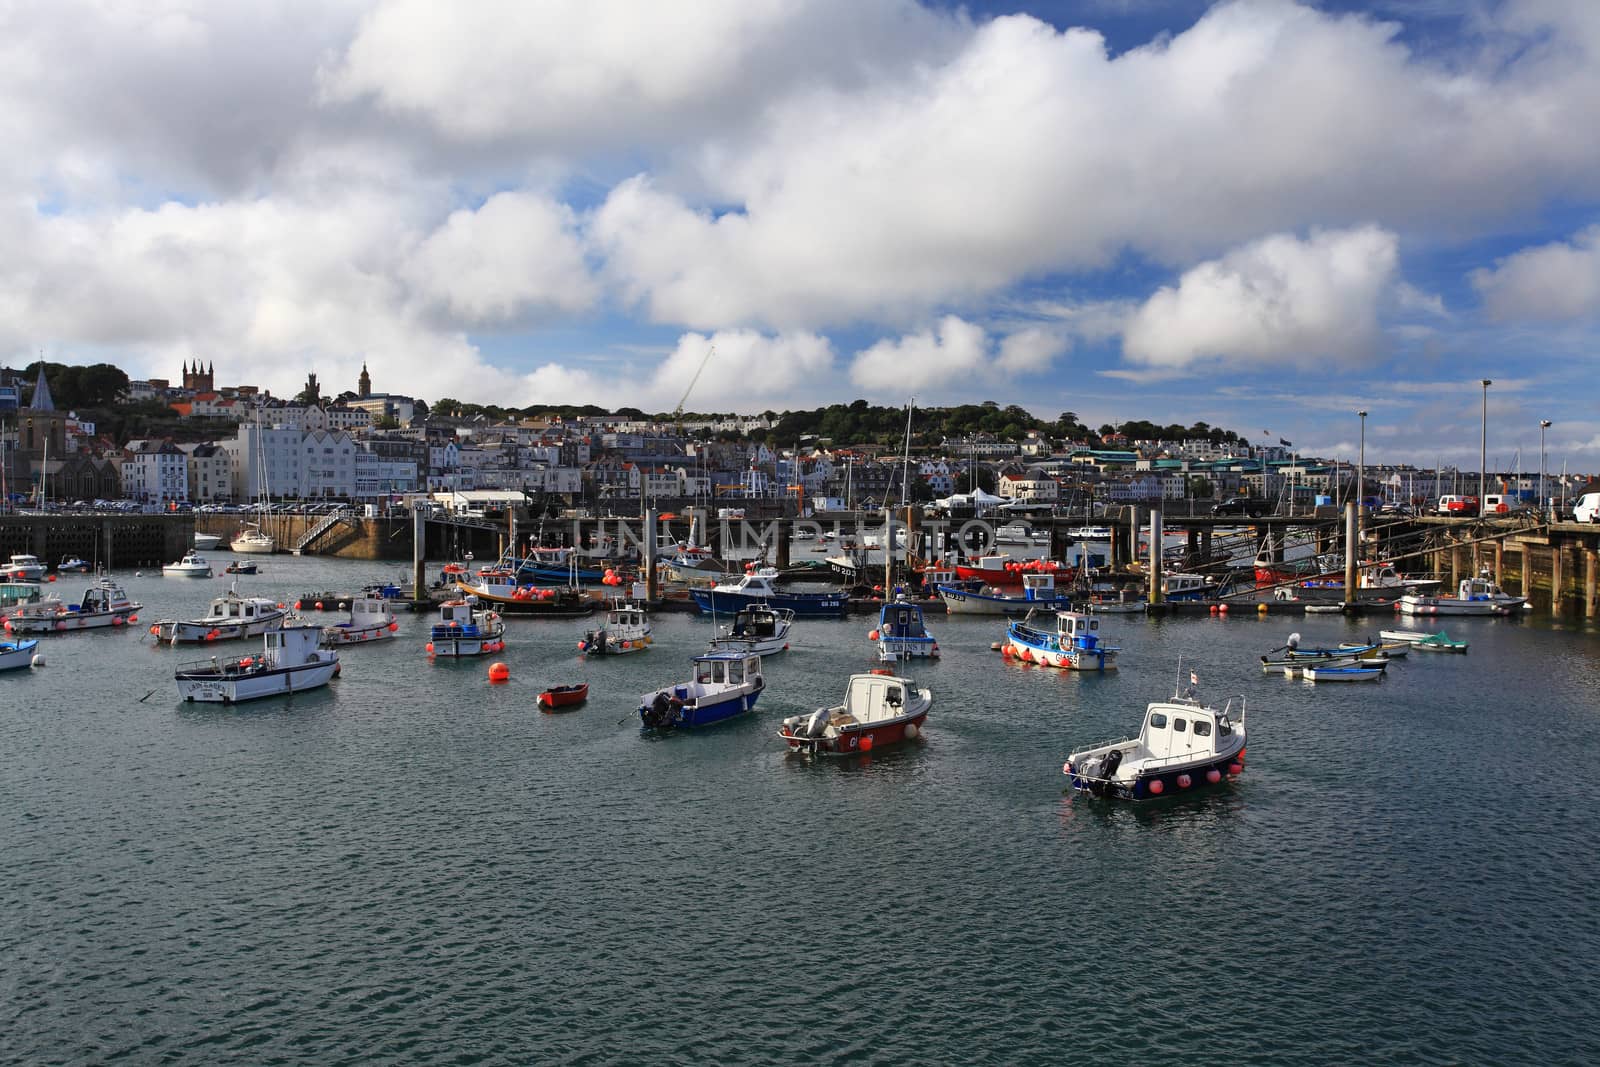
[1266,215]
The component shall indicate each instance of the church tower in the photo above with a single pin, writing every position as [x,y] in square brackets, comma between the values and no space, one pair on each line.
[364,383]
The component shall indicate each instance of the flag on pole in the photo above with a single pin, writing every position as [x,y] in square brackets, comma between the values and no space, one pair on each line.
[1194,679]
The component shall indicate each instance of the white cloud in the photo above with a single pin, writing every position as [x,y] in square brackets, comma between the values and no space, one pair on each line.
[1558,281]
[1277,300]
[514,258]
[1030,350]
[745,370]
[953,352]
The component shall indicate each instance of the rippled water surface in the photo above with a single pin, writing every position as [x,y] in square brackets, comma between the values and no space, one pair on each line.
[414,865]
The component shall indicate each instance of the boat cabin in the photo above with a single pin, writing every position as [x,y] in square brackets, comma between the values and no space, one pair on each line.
[901,619]
[241,609]
[1190,585]
[1040,586]
[1185,730]
[290,646]
[719,672]
[1077,629]
[625,615]
[1481,588]
[761,583]
[873,698]
[933,576]
[103,597]
[754,622]
[458,612]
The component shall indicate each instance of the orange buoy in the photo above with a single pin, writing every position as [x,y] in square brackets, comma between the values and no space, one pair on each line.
[499,672]
[866,742]
[393,626]
[872,635]
[429,647]
[319,605]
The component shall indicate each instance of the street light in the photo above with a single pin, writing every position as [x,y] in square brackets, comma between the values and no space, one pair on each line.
[1483,447]
[1361,466]
[1544,509]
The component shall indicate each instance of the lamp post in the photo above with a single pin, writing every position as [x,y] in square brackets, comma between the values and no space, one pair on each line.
[1544,508]
[1483,447]
[1361,464]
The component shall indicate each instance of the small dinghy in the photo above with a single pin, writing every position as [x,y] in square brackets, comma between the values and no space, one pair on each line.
[1423,641]
[558,697]
[1342,674]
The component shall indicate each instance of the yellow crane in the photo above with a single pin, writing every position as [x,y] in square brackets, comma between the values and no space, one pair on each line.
[677,412]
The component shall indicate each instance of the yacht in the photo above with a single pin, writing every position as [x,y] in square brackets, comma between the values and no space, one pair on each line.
[251,539]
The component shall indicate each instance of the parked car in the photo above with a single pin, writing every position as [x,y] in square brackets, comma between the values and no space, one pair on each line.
[1240,505]
[1458,506]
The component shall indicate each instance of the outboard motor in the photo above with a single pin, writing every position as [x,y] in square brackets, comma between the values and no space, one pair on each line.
[817,724]
[1113,761]
[658,712]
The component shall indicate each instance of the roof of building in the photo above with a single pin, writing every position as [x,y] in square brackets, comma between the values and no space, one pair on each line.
[42,400]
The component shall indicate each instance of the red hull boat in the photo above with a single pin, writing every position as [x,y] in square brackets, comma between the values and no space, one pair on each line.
[563,696]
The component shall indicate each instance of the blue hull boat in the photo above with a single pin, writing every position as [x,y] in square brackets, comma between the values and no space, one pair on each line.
[725,684]
[759,588]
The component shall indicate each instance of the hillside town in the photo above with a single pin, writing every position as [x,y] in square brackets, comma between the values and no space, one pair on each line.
[234,446]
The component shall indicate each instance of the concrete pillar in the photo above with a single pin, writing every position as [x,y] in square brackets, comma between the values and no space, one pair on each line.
[782,530]
[1155,555]
[1589,566]
[419,554]
[1352,528]
[1556,578]
[652,581]
[1133,533]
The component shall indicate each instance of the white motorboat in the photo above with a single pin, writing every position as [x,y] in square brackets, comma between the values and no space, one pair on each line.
[466,628]
[370,620]
[1474,596]
[626,630]
[1323,673]
[230,617]
[878,709]
[759,629]
[23,568]
[290,661]
[250,538]
[1182,744]
[194,565]
[205,542]
[103,604]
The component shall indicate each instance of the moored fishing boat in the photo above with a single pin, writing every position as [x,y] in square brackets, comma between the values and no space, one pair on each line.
[879,709]
[73,565]
[1423,641]
[1182,586]
[973,598]
[290,661]
[242,566]
[370,620]
[23,567]
[1474,596]
[760,630]
[1073,645]
[626,630]
[103,604]
[230,617]
[725,684]
[901,633]
[760,587]
[466,628]
[564,696]
[1006,573]
[510,596]
[1183,744]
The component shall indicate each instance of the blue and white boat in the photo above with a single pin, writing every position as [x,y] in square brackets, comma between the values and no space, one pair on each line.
[761,630]
[760,587]
[976,598]
[16,654]
[725,684]
[901,633]
[1183,586]
[1074,645]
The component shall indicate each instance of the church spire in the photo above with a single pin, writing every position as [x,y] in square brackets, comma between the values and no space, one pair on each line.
[42,400]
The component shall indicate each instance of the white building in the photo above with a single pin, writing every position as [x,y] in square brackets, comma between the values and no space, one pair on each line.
[155,472]
[266,461]
[210,473]
[328,466]
[377,477]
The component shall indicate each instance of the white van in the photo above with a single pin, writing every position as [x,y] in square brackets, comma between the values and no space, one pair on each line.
[1587,508]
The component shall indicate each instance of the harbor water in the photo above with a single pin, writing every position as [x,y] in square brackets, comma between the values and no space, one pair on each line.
[416,865]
